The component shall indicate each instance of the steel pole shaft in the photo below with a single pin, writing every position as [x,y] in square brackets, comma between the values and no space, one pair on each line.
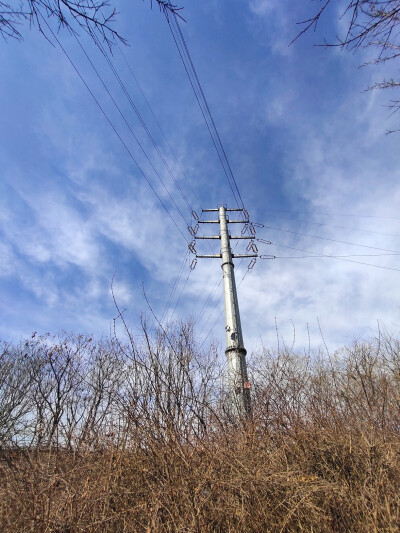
[235,351]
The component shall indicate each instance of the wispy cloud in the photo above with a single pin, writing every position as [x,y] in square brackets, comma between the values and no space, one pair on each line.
[299,134]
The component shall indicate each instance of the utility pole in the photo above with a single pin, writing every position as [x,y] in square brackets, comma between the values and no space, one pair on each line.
[238,384]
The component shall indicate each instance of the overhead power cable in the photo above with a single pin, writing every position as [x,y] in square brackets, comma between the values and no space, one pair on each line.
[104,52]
[129,126]
[142,122]
[323,214]
[208,300]
[182,290]
[332,240]
[297,221]
[198,203]
[113,127]
[175,285]
[334,257]
[204,107]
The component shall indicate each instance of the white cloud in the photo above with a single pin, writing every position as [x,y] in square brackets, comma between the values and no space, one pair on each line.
[263,7]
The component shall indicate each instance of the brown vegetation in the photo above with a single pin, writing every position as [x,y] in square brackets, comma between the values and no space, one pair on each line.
[105,437]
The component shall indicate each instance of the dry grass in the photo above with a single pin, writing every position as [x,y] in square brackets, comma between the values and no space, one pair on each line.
[117,439]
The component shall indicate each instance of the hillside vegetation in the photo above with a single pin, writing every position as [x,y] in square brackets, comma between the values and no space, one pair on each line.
[135,437]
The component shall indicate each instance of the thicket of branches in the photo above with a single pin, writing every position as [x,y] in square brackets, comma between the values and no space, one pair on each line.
[96,17]
[370,23]
[100,436]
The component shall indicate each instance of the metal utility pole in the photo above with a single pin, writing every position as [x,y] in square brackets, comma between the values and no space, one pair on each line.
[239,387]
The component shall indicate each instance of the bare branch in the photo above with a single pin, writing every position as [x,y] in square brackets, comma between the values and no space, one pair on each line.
[95,17]
[373,23]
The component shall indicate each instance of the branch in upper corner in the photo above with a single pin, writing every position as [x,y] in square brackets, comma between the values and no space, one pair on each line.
[369,23]
[95,17]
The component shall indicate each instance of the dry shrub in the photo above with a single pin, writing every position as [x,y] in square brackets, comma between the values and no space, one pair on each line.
[104,437]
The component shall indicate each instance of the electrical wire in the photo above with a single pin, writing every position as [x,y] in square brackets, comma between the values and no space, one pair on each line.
[208,300]
[129,126]
[113,127]
[144,125]
[204,107]
[332,240]
[324,214]
[142,122]
[335,257]
[182,290]
[177,279]
[334,226]
[198,203]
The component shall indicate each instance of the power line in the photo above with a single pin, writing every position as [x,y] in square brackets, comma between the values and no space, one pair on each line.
[180,294]
[332,240]
[204,107]
[144,125]
[159,125]
[142,122]
[113,127]
[324,214]
[334,226]
[208,300]
[128,125]
[334,257]
[164,315]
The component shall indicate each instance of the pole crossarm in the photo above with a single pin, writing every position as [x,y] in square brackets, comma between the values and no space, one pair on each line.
[217,209]
[219,256]
[228,221]
[248,237]
[244,255]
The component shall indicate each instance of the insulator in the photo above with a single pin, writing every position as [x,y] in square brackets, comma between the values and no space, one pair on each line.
[195,215]
[246,213]
[254,247]
[192,248]
[264,241]
[251,228]
[267,257]
[258,225]
[196,229]
[249,246]
[245,228]
[191,231]
[193,264]
[252,263]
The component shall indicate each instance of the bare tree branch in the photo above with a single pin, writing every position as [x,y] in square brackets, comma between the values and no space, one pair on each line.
[96,17]
[371,23]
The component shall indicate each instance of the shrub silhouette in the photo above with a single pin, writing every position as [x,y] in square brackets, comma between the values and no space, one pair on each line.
[100,436]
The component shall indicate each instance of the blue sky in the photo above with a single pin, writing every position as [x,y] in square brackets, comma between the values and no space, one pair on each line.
[306,144]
